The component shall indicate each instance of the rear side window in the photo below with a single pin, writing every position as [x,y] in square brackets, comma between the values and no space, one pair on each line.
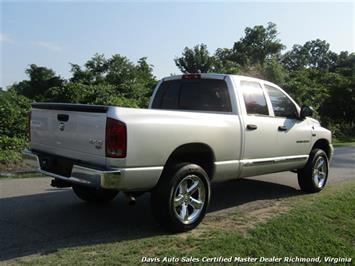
[281,104]
[194,95]
[254,98]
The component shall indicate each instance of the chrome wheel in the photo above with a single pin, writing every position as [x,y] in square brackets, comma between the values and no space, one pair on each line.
[320,171]
[189,199]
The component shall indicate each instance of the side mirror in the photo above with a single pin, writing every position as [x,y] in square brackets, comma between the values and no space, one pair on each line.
[306,111]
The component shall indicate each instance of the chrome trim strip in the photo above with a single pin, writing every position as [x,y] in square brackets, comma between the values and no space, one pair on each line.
[247,162]
[227,162]
[144,168]
[91,170]
[273,160]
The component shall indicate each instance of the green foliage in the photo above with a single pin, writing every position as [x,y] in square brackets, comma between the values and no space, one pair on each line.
[9,156]
[313,54]
[223,62]
[108,81]
[194,60]
[41,79]
[12,143]
[104,94]
[305,88]
[13,125]
[258,45]
[13,114]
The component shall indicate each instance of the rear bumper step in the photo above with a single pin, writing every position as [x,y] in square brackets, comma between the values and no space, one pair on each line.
[79,174]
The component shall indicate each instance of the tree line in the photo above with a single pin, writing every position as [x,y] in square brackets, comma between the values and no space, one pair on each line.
[311,73]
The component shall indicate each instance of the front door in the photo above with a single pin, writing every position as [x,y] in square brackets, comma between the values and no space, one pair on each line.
[293,134]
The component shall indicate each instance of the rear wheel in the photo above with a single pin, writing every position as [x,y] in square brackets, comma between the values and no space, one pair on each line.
[94,195]
[181,198]
[313,177]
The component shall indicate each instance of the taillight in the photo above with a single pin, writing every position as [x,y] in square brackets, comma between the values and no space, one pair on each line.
[29,125]
[191,76]
[116,138]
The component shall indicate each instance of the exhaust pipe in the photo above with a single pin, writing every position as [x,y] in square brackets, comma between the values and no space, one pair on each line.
[60,183]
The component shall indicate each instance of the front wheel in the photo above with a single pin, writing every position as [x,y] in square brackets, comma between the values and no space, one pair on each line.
[181,198]
[93,195]
[313,177]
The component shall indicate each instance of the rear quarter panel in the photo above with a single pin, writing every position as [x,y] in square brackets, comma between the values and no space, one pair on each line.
[154,134]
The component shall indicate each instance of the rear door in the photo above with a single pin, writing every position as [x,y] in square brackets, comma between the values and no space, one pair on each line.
[71,131]
[259,130]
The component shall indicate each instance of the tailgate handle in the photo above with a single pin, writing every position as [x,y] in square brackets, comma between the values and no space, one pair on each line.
[63,117]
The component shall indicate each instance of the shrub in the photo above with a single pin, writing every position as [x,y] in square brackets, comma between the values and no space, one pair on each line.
[13,125]
[13,114]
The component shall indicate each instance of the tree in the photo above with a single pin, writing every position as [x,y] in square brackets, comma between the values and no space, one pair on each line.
[146,79]
[94,72]
[223,62]
[107,81]
[339,107]
[41,80]
[274,72]
[305,87]
[313,54]
[345,64]
[194,60]
[120,70]
[104,94]
[258,45]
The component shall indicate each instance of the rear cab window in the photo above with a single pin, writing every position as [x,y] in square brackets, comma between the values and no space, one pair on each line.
[193,95]
[254,98]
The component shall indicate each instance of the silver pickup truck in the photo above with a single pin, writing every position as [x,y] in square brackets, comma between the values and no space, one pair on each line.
[199,128]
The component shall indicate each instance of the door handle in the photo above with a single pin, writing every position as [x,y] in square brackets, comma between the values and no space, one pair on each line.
[282,128]
[252,127]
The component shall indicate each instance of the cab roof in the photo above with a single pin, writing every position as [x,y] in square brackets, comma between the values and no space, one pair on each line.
[209,76]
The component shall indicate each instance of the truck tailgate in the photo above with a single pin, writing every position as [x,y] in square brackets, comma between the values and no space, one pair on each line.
[72,131]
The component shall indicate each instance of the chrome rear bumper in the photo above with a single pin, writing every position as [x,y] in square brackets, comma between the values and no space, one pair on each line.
[125,179]
[79,175]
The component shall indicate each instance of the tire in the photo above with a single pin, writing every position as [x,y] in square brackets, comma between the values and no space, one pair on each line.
[93,195]
[313,177]
[181,198]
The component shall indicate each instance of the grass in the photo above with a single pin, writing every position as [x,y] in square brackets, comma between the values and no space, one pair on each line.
[315,225]
[5,175]
[345,141]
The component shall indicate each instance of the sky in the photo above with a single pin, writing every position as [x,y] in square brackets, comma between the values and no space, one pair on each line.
[56,33]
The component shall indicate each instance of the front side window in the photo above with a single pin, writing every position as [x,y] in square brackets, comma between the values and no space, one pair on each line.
[254,98]
[194,95]
[281,104]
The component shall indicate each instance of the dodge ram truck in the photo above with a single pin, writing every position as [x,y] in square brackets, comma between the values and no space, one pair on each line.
[199,128]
